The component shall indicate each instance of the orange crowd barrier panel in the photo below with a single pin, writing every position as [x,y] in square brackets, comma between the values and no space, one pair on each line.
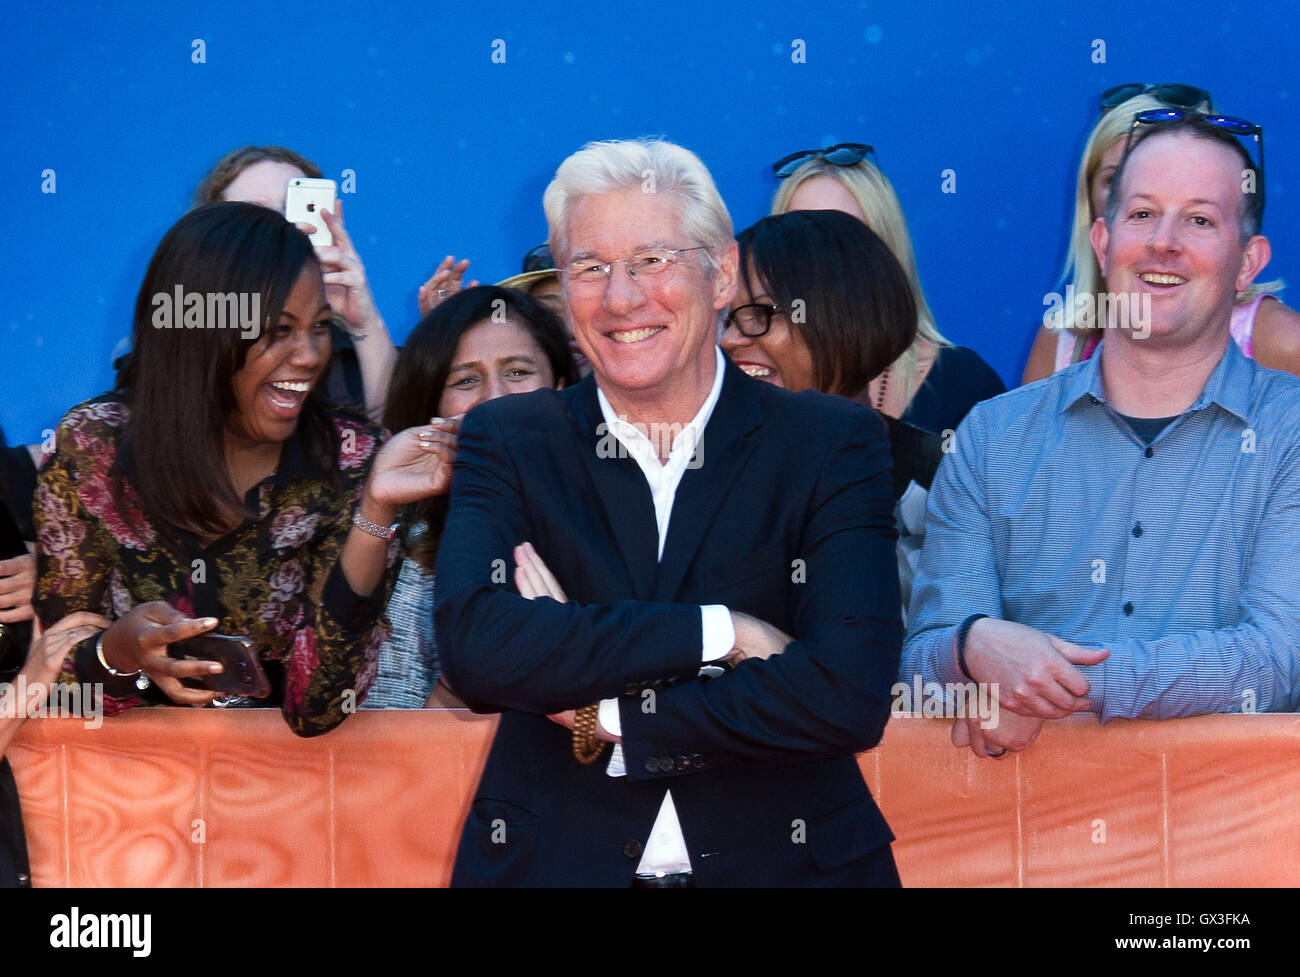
[174,797]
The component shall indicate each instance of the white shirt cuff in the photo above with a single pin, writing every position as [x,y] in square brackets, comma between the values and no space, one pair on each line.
[719,632]
[608,717]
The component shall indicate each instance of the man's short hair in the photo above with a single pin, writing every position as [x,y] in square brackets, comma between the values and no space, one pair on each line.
[650,166]
[1250,213]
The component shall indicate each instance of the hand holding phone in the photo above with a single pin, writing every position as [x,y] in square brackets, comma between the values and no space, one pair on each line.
[241,671]
[304,199]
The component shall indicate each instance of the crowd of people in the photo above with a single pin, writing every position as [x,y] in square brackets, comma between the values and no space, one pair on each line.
[746,487]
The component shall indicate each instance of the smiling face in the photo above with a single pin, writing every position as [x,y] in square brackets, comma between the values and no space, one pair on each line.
[824,192]
[282,366]
[779,356]
[1176,237]
[648,339]
[264,183]
[493,359]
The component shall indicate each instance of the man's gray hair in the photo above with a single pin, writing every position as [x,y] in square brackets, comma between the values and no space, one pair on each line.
[650,166]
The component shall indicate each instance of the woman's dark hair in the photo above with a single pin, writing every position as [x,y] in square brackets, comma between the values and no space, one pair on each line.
[177,383]
[858,314]
[420,377]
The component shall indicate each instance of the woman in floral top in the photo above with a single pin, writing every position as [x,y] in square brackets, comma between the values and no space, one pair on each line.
[215,493]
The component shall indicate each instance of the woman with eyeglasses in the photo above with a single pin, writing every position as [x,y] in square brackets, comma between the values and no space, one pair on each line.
[932,384]
[823,305]
[1262,326]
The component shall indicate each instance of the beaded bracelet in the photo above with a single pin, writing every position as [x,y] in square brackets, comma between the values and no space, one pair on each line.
[586,747]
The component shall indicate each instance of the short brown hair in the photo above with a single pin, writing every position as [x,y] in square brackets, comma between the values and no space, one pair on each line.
[214,184]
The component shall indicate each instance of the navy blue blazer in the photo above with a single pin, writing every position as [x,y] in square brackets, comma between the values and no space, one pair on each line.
[788,517]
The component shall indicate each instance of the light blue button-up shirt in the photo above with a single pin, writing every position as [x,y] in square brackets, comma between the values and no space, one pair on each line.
[1182,559]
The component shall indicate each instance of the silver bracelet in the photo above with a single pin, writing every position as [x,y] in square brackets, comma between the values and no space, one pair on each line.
[374,529]
[142,681]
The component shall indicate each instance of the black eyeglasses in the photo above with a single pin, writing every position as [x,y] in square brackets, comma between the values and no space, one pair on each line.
[1178,96]
[753,319]
[1228,123]
[841,154]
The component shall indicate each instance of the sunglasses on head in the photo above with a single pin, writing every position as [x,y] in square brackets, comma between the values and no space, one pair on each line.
[841,154]
[1228,123]
[539,259]
[1179,96]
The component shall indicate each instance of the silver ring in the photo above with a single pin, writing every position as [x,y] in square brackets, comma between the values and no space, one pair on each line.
[441,292]
[1000,751]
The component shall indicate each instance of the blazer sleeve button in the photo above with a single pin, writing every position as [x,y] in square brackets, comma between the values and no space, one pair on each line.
[632,848]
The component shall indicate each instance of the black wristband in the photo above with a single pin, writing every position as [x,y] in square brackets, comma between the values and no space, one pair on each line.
[962,631]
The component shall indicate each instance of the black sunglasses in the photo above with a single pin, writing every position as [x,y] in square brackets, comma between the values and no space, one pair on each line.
[1228,123]
[1178,96]
[539,259]
[841,154]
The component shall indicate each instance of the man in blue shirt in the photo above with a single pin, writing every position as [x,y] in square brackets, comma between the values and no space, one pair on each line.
[1124,537]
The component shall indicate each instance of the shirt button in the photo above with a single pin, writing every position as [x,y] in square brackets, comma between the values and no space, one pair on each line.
[632,848]
[1128,608]
[1137,529]
[1150,451]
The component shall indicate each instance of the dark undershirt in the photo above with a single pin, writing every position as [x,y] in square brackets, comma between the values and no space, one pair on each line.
[1148,428]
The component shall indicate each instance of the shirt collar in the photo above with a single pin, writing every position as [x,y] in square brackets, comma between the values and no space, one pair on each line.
[1228,385]
[630,434]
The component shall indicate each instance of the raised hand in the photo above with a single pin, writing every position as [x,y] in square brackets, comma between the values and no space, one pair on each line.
[415,464]
[346,288]
[443,283]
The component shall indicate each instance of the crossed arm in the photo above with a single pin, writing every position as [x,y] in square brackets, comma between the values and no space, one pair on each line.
[826,694]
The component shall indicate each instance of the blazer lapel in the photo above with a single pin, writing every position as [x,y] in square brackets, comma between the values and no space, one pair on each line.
[624,495]
[723,452]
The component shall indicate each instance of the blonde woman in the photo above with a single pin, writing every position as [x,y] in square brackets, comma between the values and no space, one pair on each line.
[1264,328]
[934,383]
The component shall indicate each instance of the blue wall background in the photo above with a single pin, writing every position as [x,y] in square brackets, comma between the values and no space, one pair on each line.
[452,152]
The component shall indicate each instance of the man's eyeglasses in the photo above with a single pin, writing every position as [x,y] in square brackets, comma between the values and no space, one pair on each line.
[841,154]
[1228,123]
[643,265]
[1177,96]
[753,319]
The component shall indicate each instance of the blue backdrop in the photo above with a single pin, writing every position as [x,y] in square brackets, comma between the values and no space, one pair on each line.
[452,150]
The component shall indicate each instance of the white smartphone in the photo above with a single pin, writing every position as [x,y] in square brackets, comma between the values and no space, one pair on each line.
[304,199]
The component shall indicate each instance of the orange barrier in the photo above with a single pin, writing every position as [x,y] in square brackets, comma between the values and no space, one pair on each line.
[172,797]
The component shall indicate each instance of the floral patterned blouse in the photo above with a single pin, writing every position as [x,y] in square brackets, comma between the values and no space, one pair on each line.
[277,579]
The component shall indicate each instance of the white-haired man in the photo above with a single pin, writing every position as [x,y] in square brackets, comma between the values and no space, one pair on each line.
[672,513]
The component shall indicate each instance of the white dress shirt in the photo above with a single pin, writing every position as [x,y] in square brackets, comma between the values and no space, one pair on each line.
[665,850]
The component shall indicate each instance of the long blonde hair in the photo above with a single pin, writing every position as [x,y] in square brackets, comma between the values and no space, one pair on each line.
[875,195]
[1081,267]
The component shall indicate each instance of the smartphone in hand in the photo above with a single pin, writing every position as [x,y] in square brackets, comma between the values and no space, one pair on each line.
[304,199]
[241,672]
